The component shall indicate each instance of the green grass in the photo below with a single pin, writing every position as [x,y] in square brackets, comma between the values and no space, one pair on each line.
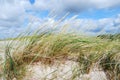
[47,47]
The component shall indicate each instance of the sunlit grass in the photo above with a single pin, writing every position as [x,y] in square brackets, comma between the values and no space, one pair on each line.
[49,46]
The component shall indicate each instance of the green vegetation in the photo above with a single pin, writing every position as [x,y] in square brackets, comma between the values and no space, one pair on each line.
[48,47]
[110,36]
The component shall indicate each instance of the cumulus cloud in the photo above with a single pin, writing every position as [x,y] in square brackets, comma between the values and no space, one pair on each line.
[74,6]
[93,27]
[83,26]
[13,14]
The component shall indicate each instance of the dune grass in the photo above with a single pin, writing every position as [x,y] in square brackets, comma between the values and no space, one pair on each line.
[49,45]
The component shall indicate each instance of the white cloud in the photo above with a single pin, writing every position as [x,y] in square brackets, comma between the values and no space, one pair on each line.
[93,27]
[13,14]
[12,17]
[83,26]
[63,6]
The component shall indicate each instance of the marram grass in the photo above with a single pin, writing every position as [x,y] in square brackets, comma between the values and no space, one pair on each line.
[47,47]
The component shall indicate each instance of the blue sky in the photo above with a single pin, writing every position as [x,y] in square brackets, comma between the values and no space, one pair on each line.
[92,17]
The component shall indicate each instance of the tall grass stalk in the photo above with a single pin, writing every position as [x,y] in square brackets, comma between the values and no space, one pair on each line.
[47,46]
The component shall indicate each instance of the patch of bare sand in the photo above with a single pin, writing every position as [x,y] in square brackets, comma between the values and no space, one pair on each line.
[60,71]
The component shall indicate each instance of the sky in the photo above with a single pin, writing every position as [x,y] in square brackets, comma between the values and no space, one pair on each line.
[90,17]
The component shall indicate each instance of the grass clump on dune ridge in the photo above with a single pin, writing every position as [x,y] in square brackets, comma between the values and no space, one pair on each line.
[49,46]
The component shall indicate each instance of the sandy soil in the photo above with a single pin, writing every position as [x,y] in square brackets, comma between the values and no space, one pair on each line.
[59,71]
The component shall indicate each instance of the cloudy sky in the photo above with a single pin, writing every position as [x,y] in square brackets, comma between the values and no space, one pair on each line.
[91,17]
